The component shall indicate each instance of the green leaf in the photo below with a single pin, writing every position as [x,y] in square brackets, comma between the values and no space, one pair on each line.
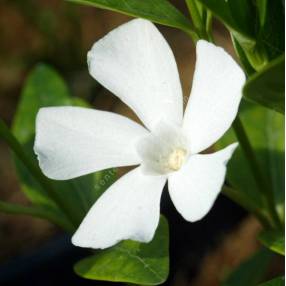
[262,10]
[237,15]
[258,27]
[271,34]
[130,261]
[44,87]
[197,13]
[28,162]
[159,11]
[267,86]
[242,57]
[274,240]
[278,281]
[265,129]
[251,271]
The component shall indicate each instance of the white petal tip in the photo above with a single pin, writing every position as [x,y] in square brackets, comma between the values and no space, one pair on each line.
[203,43]
[86,243]
[191,218]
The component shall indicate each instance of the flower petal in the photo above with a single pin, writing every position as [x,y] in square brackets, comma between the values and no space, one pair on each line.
[73,141]
[135,62]
[129,209]
[194,188]
[215,97]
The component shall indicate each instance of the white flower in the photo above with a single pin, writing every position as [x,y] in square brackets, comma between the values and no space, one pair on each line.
[135,62]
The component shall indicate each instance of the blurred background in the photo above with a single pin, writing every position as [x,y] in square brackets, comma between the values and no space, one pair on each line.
[60,34]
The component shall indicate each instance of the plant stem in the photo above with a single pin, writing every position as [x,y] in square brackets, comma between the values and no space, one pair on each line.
[255,168]
[197,19]
[10,208]
[209,22]
[194,12]
[13,143]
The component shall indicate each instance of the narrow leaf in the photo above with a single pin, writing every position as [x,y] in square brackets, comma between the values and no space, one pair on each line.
[262,10]
[274,240]
[159,11]
[242,56]
[278,281]
[267,86]
[237,16]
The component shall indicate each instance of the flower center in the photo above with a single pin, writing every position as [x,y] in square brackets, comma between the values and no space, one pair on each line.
[164,150]
[176,159]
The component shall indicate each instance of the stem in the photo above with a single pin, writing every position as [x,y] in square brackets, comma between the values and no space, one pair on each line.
[255,168]
[194,12]
[13,143]
[10,208]
[209,23]
[197,18]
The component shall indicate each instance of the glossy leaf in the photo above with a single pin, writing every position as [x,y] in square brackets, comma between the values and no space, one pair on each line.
[274,240]
[271,34]
[159,11]
[262,11]
[278,281]
[242,57]
[197,13]
[130,261]
[265,129]
[44,87]
[267,86]
[258,26]
[251,271]
[237,15]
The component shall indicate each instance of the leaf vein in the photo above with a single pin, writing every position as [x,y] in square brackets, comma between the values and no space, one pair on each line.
[146,265]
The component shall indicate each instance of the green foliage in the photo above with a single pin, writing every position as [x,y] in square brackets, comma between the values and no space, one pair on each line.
[267,86]
[159,11]
[130,261]
[262,11]
[251,271]
[273,240]
[258,27]
[44,87]
[264,129]
[271,32]
[237,15]
[278,281]
[242,57]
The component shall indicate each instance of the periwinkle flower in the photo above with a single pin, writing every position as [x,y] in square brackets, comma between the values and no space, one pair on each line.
[135,63]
